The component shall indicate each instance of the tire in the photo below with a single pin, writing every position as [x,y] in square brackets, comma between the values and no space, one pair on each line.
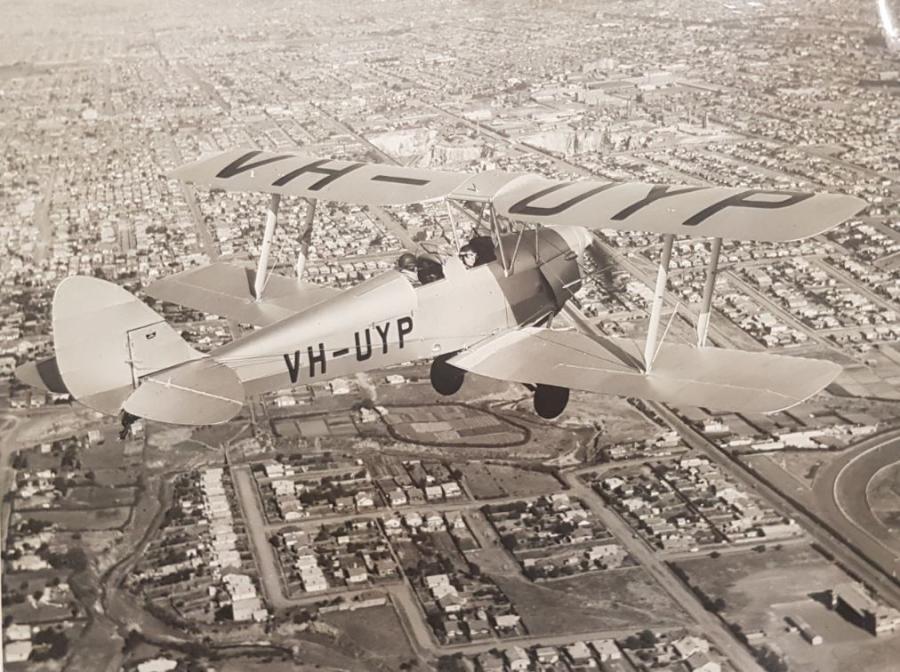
[550,401]
[446,379]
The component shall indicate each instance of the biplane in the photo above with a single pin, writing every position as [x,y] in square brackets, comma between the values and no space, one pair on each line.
[485,308]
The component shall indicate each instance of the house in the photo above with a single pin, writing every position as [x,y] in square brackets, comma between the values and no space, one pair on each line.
[454,630]
[479,627]
[491,662]
[547,655]
[450,602]
[29,562]
[701,662]
[507,621]
[17,652]
[245,608]
[687,646]
[364,500]
[17,632]
[606,649]
[434,522]
[579,653]
[157,665]
[451,490]
[518,659]
[356,573]
[435,580]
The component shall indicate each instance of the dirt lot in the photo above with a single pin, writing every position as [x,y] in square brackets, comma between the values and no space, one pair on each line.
[626,598]
[761,590]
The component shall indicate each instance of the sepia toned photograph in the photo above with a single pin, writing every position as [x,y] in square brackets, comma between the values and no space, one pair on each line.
[450,336]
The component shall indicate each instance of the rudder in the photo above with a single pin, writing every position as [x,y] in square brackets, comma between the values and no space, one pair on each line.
[106,340]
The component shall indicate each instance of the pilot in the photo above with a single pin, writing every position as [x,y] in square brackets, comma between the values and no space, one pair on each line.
[408,267]
[484,249]
[429,269]
[468,256]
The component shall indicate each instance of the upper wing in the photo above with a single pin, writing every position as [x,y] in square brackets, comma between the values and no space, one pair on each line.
[723,212]
[333,180]
[718,212]
[714,378]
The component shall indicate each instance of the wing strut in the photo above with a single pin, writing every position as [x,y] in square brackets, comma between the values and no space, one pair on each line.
[658,297]
[589,329]
[306,236]
[711,270]
[269,233]
[453,224]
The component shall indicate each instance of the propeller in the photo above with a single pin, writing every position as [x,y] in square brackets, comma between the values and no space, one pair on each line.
[601,265]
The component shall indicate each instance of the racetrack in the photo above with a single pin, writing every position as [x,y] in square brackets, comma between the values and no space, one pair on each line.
[841,495]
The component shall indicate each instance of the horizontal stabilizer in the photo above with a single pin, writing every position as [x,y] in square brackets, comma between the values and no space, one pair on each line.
[682,375]
[201,392]
[227,290]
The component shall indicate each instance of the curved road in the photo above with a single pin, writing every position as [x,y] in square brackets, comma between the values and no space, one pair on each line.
[840,491]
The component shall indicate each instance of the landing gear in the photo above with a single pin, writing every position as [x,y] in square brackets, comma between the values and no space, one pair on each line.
[446,379]
[127,421]
[550,401]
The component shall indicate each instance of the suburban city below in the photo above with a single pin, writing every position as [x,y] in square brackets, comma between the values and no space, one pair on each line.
[368,522]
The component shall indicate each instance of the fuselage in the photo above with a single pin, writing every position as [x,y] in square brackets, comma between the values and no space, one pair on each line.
[387,320]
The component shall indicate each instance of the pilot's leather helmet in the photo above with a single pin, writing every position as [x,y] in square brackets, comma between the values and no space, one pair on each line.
[407,262]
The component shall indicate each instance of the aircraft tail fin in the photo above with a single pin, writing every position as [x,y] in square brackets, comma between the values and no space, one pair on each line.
[109,345]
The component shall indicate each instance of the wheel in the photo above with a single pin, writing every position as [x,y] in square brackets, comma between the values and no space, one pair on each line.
[550,401]
[446,379]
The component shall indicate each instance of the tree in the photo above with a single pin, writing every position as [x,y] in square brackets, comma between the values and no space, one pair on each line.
[770,660]
[647,639]
[132,640]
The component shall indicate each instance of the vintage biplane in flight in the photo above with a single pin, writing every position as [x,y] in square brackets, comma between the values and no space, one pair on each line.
[490,316]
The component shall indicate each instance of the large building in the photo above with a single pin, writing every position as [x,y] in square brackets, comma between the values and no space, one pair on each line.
[857,606]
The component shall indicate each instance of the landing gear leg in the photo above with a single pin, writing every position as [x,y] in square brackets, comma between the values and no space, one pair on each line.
[127,421]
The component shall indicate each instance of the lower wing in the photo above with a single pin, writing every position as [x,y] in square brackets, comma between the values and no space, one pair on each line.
[683,375]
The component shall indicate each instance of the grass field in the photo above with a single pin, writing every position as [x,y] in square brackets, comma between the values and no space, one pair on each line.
[452,424]
[98,519]
[883,493]
[488,481]
[375,633]
[99,496]
[598,601]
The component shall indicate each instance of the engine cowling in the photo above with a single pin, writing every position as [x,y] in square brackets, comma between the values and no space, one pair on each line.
[550,401]
[446,379]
